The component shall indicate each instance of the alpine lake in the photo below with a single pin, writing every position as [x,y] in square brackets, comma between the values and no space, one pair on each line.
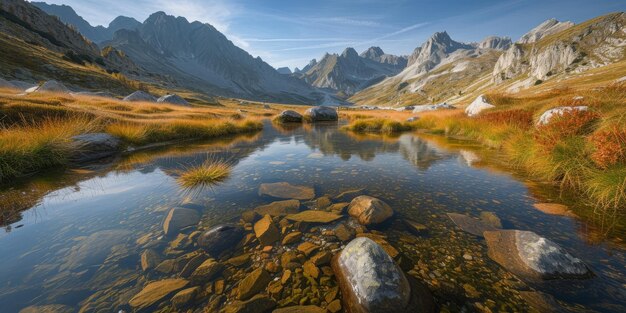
[92,239]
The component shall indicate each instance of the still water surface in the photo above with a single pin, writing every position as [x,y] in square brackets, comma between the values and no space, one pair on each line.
[77,241]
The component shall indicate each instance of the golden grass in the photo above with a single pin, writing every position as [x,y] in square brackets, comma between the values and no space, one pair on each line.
[378,125]
[204,175]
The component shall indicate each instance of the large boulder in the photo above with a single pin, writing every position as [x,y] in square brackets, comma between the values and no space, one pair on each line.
[558,111]
[179,218]
[52,86]
[478,106]
[369,210]
[140,95]
[432,107]
[289,116]
[286,190]
[321,113]
[530,256]
[371,281]
[173,99]
[94,146]
[220,238]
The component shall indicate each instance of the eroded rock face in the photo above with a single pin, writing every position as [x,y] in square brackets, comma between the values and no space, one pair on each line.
[220,238]
[370,281]
[179,218]
[531,256]
[173,99]
[286,190]
[94,146]
[289,116]
[369,210]
[140,96]
[545,118]
[321,113]
[479,105]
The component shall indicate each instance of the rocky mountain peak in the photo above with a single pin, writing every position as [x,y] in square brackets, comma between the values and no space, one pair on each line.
[123,22]
[350,53]
[549,27]
[495,42]
[372,53]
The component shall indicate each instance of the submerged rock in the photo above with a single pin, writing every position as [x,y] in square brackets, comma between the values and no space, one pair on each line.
[472,225]
[266,231]
[173,99]
[531,256]
[478,105]
[279,208]
[179,218]
[140,96]
[558,111]
[257,304]
[155,291]
[370,281]
[314,216]
[286,190]
[184,297]
[220,238]
[300,309]
[320,114]
[94,249]
[253,283]
[289,116]
[48,308]
[369,210]
[348,195]
[94,146]
[149,259]
[554,209]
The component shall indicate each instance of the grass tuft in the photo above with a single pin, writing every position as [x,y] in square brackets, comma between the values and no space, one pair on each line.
[205,175]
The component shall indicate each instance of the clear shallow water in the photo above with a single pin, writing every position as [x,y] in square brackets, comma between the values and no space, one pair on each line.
[77,242]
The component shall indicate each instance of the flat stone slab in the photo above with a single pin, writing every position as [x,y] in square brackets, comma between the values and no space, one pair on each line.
[285,190]
[554,209]
[471,225]
[530,256]
[314,216]
[279,208]
[155,291]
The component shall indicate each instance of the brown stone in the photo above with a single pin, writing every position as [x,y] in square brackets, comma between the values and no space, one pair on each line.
[322,203]
[207,270]
[265,231]
[344,233]
[334,306]
[300,309]
[184,297]
[149,259]
[155,291]
[285,190]
[314,216]
[253,283]
[307,248]
[369,210]
[219,286]
[279,208]
[179,218]
[292,237]
[348,195]
[250,216]
[554,209]
[321,258]
[257,304]
[286,277]
[311,270]
[240,260]
[167,266]
[471,225]
[193,264]
[338,208]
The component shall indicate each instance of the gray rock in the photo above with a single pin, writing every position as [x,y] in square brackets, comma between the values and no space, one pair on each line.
[289,116]
[549,114]
[220,238]
[531,256]
[173,99]
[94,146]
[140,96]
[432,107]
[478,106]
[94,249]
[320,114]
[179,218]
[370,280]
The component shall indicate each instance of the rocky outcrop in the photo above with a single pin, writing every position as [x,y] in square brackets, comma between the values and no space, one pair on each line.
[558,111]
[94,146]
[140,95]
[549,27]
[531,256]
[478,105]
[432,107]
[320,114]
[371,281]
[495,42]
[173,99]
[283,70]
[220,238]
[289,116]
[369,210]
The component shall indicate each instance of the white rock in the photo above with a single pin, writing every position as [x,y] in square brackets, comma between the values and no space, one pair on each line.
[547,115]
[432,107]
[478,106]
[140,96]
[173,99]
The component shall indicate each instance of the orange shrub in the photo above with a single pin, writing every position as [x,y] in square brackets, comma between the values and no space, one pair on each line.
[519,118]
[609,147]
[570,123]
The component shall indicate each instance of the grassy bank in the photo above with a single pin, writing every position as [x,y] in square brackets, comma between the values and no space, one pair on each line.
[584,152]
[37,128]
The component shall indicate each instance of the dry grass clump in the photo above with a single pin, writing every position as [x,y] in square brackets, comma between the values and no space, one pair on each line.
[609,147]
[500,99]
[378,125]
[204,175]
[565,125]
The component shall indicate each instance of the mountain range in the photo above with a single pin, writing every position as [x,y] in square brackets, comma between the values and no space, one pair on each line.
[171,53]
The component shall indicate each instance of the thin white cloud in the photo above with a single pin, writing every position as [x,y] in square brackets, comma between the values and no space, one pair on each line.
[343,21]
[294,39]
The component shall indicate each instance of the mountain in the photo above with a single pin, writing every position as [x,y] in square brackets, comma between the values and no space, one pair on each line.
[557,49]
[440,69]
[96,34]
[196,54]
[284,70]
[350,72]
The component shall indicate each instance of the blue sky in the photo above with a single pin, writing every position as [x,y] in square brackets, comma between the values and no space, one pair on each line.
[290,33]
